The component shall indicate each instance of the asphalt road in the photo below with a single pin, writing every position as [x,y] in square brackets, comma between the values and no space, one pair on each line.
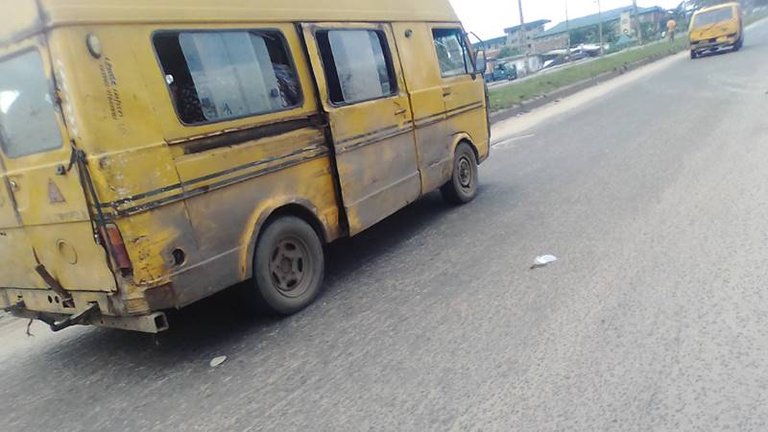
[651,191]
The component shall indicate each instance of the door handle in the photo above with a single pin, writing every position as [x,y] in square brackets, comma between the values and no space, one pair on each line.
[401,111]
[447,91]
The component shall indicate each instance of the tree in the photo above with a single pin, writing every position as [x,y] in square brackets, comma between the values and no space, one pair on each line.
[649,30]
[591,34]
[508,51]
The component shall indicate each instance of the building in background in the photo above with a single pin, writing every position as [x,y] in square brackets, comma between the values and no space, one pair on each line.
[532,30]
[492,47]
[526,65]
[585,29]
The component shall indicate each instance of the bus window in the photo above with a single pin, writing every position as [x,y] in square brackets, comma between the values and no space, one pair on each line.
[357,65]
[451,53]
[216,76]
[27,112]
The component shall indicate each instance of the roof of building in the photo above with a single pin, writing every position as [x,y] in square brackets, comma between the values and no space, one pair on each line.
[530,25]
[491,41]
[589,20]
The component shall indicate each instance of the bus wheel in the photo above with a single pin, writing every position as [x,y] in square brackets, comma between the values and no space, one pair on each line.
[288,266]
[462,187]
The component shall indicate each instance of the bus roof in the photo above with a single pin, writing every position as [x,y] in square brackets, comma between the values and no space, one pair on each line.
[22,17]
[718,6]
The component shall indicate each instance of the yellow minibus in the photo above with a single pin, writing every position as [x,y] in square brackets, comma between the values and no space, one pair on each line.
[155,152]
[716,28]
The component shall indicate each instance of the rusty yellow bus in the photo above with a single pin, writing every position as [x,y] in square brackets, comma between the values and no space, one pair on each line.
[716,28]
[154,152]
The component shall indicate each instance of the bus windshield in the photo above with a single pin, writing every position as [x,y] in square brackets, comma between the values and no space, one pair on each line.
[713,16]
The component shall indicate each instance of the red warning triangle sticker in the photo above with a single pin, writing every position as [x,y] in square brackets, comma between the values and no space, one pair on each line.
[54,194]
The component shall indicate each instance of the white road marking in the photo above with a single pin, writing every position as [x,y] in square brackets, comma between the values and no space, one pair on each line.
[504,143]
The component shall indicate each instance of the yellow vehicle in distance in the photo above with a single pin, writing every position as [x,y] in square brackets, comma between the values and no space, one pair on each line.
[153,153]
[716,28]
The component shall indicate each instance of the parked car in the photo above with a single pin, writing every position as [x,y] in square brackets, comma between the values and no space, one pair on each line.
[502,71]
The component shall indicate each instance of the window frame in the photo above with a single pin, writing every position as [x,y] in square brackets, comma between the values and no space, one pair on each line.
[177,32]
[388,59]
[51,84]
[469,69]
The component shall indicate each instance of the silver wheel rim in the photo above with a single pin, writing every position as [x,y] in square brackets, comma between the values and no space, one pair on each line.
[465,173]
[291,267]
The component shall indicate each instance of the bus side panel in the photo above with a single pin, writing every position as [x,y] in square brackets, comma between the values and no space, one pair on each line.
[234,173]
[465,104]
[112,118]
[444,107]
[422,76]
[227,220]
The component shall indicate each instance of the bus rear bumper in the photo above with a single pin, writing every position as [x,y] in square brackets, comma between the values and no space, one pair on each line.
[100,309]
[155,322]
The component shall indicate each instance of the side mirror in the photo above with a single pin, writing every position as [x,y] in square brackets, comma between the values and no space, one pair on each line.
[481,63]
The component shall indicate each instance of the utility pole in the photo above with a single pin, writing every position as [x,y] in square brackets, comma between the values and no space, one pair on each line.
[636,20]
[600,26]
[568,32]
[523,39]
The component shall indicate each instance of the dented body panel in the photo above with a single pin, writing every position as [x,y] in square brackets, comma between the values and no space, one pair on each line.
[142,208]
[373,139]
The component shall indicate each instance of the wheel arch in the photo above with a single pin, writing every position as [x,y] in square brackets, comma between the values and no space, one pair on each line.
[461,137]
[301,209]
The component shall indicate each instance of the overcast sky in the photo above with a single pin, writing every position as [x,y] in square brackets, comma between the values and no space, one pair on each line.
[488,18]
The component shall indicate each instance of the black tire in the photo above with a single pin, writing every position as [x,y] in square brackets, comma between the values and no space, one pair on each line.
[462,187]
[693,55]
[739,44]
[288,267]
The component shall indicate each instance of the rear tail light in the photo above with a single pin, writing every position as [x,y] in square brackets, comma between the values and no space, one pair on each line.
[116,246]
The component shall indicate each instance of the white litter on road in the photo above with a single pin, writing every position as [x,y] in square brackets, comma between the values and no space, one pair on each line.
[543,260]
[217,361]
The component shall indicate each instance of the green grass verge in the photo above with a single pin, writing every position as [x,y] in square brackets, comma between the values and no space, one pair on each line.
[510,95]
[755,17]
